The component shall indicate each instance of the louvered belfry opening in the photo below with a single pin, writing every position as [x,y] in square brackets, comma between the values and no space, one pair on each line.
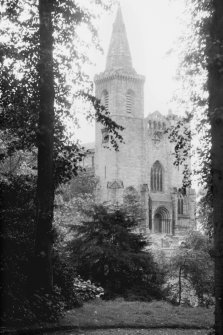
[105,99]
[130,101]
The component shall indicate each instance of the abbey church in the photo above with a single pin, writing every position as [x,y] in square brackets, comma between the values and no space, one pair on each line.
[144,162]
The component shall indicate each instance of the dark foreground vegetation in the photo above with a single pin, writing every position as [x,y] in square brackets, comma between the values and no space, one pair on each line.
[101,255]
[105,251]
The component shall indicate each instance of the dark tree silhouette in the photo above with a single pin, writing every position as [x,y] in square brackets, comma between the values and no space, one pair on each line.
[45,144]
[215,88]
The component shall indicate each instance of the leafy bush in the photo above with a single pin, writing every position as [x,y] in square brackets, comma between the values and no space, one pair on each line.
[108,251]
[191,275]
[86,290]
[47,307]
[17,242]
[19,303]
[74,290]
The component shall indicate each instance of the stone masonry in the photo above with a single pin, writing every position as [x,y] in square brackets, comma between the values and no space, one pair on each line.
[144,162]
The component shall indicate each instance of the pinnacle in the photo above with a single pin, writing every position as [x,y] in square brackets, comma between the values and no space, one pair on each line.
[119,23]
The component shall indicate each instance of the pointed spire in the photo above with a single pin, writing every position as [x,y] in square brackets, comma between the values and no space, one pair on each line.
[119,56]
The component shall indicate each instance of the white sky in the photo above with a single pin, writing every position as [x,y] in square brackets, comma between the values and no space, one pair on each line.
[153,29]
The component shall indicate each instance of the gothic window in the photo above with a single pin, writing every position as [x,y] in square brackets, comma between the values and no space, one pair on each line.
[154,125]
[180,204]
[156,181]
[130,101]
[105,99]
[105,135]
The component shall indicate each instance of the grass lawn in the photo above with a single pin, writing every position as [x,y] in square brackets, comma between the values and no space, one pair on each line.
[134,332]
[123,314]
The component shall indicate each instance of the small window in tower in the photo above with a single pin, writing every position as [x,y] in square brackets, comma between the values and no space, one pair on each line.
[105,99]
[105,135]
[130,101]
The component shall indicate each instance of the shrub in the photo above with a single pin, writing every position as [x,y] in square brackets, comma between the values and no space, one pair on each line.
[191,275]
[74,290]
[47,307]
[108,251]
[19,304]
[17,243]
[87,290]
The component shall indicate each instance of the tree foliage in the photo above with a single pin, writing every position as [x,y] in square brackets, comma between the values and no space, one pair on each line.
[41,61]
[19,82]
[192,271]
[205,72]
[108,251]
[195,141]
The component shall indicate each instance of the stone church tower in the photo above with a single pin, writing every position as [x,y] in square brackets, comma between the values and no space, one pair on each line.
[144,163]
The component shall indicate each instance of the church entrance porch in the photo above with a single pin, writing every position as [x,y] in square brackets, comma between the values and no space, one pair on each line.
[161,221]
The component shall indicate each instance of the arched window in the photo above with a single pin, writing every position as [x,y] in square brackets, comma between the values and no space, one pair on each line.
[105,99]
[156,181]
[130,101]
[180,204]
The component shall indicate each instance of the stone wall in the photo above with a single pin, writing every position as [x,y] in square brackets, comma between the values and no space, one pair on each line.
[121,90]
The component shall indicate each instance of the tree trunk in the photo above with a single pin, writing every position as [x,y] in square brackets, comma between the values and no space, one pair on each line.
[215,87]
[180,285]
[45,182]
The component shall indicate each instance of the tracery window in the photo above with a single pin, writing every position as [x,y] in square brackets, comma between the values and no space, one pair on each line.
[105,99]
[156,181]
[130,101]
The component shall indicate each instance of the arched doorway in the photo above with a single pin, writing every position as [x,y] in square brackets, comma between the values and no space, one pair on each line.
[161,221]
[157,223]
